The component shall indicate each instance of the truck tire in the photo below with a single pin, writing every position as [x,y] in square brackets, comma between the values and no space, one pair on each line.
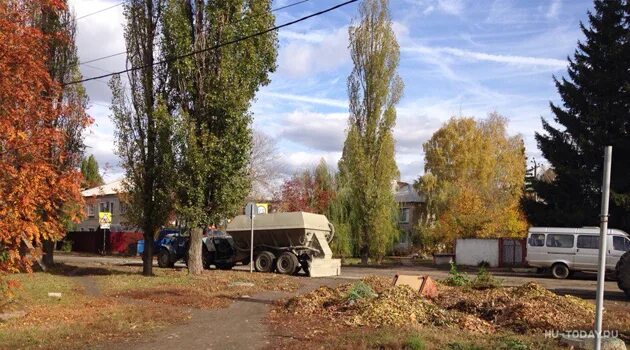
[164,259]
[560,271]
[623,273]
[287,263]
[265,261]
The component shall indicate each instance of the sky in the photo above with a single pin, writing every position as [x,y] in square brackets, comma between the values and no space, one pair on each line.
[457,58]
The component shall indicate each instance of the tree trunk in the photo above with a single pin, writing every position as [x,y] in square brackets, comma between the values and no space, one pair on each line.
[195,266]
[147,255]
[48,249]
[364,255]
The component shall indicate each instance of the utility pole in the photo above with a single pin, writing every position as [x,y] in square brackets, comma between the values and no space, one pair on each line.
[601,273]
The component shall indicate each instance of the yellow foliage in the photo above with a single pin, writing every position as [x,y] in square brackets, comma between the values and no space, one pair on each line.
[474,180]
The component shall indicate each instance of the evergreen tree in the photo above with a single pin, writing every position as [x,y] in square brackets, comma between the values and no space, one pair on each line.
[367,165]
[595,113]
[89,170]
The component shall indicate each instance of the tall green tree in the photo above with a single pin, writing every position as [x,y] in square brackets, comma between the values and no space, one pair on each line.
[212,91]
[144,128]
[90,172]
[594,113]
[367,164]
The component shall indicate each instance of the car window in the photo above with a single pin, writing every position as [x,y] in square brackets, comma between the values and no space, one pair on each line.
[621,244]
[560,241]
[537,240]
[588,242]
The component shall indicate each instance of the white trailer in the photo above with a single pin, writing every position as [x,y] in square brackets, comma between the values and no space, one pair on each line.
[286,243]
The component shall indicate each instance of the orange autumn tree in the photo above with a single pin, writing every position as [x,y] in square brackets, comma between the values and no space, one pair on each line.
[36,186]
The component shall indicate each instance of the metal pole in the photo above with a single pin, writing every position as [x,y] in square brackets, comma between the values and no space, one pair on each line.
[251,249]
[601,273]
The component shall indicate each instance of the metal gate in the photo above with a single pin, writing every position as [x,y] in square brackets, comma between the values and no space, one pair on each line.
[512,252]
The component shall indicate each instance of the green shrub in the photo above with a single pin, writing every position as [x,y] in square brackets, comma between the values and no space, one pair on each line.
[512,344]
[485,280]
[66,246]
[415,342]
[456,278]
[463,346]
[360,290]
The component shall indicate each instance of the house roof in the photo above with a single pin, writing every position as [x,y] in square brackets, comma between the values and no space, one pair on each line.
[114,187]
[405,193]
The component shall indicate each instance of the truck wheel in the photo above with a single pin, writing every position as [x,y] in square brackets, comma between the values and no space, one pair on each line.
[287,263]
[164,258]
[560,271]
[623,273]
[264,261]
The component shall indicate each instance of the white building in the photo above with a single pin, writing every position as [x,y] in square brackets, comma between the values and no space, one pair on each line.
[105,198]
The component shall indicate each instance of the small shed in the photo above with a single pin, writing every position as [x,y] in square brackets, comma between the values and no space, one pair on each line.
[497,252]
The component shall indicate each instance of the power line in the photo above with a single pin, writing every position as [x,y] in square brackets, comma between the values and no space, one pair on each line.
[99,11]
[218,45]
[125,52]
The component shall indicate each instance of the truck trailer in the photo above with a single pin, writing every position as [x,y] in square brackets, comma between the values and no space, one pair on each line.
[286,243]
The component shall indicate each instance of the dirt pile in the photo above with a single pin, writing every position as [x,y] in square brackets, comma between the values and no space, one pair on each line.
[529,307]
[523,309]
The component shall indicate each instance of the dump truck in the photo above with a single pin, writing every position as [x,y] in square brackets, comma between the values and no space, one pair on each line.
[286,243]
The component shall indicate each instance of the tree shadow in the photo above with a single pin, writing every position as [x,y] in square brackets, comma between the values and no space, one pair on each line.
[63,269]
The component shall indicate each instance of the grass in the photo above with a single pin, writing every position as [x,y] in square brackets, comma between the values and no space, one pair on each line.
[106,305]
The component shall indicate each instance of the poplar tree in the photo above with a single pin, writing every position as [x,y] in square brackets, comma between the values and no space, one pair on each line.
[90,172]
[210,93]
[143,126]
[367,162]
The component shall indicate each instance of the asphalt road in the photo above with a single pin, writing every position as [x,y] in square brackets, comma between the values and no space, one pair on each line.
[581,285]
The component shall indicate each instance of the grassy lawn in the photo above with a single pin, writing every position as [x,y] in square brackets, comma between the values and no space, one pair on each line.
[106,304]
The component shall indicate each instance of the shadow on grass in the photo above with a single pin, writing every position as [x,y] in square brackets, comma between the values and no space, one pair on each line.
[63,269]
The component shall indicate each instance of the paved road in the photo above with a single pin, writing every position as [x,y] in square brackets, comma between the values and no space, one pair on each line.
[582,285]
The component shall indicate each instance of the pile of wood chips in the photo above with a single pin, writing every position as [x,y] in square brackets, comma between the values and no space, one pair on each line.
[528,308]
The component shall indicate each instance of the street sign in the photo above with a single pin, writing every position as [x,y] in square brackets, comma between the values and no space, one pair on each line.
[250,209]
[262,208]
[104,220]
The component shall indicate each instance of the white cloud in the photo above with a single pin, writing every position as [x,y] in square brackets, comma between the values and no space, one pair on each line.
[307,54]
[307,99]
[452,7]
[318,131]
[482,56]
[554,9]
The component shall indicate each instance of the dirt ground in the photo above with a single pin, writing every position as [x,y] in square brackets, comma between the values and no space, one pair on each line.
[240,320]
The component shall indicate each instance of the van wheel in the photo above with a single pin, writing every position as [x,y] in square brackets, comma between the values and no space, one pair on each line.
[560,271]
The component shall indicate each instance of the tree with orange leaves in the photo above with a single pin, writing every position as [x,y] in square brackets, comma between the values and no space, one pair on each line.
[39,189]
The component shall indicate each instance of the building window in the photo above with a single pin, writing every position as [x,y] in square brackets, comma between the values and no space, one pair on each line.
[90,210]
[404,216]
[107,207]
[122,208]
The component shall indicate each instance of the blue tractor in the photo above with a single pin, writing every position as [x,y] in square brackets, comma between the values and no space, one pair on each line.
[217,247]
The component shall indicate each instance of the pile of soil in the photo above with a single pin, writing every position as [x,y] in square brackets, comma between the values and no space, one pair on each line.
[528,308]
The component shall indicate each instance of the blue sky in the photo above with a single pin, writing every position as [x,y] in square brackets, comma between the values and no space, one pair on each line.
[457,58]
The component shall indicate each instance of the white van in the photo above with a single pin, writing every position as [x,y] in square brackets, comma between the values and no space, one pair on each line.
[565,250]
